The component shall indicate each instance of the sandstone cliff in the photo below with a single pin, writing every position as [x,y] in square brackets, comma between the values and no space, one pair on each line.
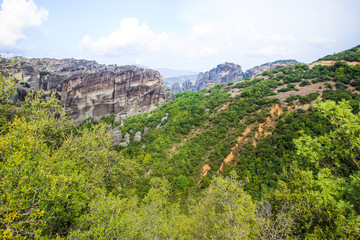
[125,90]
[89,89]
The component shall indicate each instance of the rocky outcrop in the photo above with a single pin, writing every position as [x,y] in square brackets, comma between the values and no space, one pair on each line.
[48,73]
[187,86]
[125,90]
[88,89]
[137,137]
[223,73]
[175,88]
[255,71]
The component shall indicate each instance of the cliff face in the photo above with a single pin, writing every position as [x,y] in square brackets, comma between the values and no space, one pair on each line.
[252,72]
[126,90]
[89,89]
[48,74]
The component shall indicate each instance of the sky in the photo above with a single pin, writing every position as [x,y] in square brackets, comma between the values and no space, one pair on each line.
[194,35]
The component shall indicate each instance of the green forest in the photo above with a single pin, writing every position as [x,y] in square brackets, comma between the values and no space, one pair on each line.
[256,159]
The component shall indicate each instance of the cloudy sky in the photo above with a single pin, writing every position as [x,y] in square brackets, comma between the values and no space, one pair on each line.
[180,34]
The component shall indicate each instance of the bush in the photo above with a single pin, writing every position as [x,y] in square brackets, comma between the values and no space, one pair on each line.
[304,83]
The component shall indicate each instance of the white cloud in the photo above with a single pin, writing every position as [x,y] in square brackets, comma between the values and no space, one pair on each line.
[17,15]
[131,38]
[270,51]
[202,30]
[203,41]
[322,42]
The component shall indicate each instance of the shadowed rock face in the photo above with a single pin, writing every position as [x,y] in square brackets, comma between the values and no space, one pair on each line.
[126,90]
[88,89]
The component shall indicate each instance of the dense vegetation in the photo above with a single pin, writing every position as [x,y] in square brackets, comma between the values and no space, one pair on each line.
[294,173]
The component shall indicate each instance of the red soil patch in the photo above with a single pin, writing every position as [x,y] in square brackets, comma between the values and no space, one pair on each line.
[230,157]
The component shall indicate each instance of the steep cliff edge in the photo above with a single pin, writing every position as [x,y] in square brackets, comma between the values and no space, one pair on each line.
[88,89]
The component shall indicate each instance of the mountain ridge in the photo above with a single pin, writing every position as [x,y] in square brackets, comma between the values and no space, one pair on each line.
[233,73]
[121,90]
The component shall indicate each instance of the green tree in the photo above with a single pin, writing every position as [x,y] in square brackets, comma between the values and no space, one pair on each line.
[49,171]
[225,212]
[339,149]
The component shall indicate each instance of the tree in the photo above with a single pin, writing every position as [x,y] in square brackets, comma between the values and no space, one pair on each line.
[340,148]
[50,171]
[225,212]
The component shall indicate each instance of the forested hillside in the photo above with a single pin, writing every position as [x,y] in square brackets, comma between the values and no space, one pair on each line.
[275,157]
[350,55]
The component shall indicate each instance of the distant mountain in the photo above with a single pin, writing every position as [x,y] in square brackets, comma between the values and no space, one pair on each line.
[222,73]
[225,73]
[180,79]
[168,73]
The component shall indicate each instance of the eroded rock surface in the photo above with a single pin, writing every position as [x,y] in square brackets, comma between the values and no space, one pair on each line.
[88,89]
[125,90]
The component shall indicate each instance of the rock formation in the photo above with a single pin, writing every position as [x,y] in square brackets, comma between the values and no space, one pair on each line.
[89,89]
[126,90]
[187,86]
[223,73]
[175,88]
[252,72]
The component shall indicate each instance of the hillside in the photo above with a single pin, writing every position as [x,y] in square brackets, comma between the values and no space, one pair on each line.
[350,55]
[257,70]
[251,128]
[260,158]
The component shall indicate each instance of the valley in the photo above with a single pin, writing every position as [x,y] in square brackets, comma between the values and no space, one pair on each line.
[272,153]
